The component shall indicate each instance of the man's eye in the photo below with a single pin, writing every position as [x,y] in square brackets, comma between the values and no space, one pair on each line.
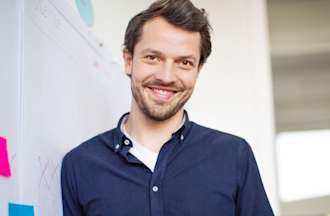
[151,57]
[187,63]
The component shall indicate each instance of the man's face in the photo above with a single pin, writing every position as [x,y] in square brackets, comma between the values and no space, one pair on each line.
[163,69]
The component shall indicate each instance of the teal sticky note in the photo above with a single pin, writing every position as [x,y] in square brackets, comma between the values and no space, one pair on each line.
[20,210]
[86,11]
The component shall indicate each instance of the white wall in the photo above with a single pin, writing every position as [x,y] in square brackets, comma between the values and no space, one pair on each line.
[234,91]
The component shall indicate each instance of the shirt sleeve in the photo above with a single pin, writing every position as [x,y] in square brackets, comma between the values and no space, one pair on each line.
[251,198]
[71,206]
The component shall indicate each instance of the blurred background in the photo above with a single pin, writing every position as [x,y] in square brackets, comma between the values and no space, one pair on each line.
[299,32]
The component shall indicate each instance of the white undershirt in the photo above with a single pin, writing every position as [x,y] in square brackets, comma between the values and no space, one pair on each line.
[145,155]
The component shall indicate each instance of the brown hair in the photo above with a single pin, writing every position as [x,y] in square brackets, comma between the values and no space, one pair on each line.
[181,13]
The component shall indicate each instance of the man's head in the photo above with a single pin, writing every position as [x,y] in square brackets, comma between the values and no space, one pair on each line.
[180,13]
[165,47]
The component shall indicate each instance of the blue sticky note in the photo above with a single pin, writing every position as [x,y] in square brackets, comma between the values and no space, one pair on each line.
[20,210]
[86,11]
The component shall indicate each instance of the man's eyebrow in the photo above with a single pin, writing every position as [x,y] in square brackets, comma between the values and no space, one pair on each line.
[188,57]
[153,51]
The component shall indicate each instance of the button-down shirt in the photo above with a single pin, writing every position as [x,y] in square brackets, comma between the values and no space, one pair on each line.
[199,171]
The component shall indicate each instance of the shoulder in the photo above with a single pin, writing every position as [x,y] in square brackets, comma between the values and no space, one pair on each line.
[94,147]
[219,139]
[211,134]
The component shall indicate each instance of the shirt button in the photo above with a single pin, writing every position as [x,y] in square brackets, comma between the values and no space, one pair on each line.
[117,146]
[181,137]
[154,188]
[126,142]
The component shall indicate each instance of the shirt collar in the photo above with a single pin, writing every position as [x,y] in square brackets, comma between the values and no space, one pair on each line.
[122,144]
[125,118]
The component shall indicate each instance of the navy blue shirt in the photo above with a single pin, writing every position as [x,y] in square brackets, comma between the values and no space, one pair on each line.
[199,171]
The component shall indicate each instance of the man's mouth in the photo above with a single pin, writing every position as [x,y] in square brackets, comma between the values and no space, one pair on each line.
[162,94]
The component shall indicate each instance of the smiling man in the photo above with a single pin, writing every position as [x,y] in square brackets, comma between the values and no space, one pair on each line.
[156,161]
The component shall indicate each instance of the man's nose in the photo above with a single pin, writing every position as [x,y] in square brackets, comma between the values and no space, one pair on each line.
[166,73]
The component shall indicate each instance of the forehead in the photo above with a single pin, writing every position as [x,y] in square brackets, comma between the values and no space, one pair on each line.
[160,35]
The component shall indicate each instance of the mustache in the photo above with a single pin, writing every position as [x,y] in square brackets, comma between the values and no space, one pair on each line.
[160,83]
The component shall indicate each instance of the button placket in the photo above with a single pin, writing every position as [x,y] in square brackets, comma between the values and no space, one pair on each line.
[156,201]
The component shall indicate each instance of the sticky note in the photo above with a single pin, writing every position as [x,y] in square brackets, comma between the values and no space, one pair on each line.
[20,210]
[86,11]
[4,162]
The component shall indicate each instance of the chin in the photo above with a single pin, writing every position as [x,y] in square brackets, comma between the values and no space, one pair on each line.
[160,113]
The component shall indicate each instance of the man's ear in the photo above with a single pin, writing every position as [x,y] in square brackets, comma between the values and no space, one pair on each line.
[128,61]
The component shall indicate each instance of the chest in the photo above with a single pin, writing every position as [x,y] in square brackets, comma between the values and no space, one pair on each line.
[202,185]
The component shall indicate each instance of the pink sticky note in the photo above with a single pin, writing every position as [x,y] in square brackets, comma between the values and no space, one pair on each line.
[4,162]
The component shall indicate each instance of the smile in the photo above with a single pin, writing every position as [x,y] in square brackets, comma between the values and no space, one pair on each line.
[163,95]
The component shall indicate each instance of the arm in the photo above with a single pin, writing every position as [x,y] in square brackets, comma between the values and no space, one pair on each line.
[251,198]
[71,206]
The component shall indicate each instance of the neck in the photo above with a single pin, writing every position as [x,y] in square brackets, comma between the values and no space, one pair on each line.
[148,132]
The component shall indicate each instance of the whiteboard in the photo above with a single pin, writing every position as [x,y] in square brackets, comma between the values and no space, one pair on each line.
[9,95]
[71,90]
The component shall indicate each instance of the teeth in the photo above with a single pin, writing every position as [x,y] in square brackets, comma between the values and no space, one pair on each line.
[164,94]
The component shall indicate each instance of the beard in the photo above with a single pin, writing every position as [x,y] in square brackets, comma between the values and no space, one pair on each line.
[159,111]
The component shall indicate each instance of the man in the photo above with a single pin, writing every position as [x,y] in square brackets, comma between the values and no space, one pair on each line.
[156,161]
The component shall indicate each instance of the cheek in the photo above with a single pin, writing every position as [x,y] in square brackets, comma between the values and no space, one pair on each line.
[189,80]
[142,72]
